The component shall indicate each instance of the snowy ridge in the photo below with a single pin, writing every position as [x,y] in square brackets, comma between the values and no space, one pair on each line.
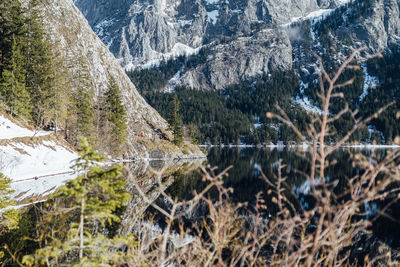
[179,49]
[316,15]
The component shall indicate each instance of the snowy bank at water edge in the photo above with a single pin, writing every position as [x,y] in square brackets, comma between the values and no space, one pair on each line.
[24,160]
[36,161]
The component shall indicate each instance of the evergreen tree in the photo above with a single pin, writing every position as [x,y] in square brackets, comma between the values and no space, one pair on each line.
[12,25]
[175,120]
[193,132]
[115,116]
[9,217]
[89,203]
[84,120]
[13,88]
[40,76]
[80,121]
[63,90]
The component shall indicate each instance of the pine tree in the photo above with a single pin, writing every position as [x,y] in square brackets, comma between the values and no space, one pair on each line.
[63,90]
[175,120]
[12,25]
[89,202]
[8,218]
[115,115]
[80,121]
[84,120]
[13,88]
[193,133]
[40,76]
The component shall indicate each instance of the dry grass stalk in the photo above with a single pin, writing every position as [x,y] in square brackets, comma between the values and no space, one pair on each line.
[319,236]
[233,235]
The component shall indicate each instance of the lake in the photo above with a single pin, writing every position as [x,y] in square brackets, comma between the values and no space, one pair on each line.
[244,176]
[244,179]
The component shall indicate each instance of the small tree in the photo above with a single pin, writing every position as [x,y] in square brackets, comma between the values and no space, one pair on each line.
[175,120]
[9,217]
[13,88]
[89,201]
[193,133]
[115,115]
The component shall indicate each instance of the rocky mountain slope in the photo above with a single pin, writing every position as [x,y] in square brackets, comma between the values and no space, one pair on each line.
[75,39]
[140,31]
[373,23]
[247,37]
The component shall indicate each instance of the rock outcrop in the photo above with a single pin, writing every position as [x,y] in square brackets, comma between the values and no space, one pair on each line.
[144,30]
[241,59]
[378,30]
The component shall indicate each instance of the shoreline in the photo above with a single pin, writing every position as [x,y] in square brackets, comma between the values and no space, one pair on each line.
[304,146]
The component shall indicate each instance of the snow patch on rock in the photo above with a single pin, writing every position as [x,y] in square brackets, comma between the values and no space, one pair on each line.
[179,49]
[370,82]
[213,16]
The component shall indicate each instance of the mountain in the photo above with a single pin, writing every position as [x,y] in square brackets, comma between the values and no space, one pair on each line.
[141,31]
[220,45]
[147,130]
[256,34]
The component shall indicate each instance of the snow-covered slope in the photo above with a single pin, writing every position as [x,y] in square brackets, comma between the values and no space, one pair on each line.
[21,160]
[10,129]
[36,161]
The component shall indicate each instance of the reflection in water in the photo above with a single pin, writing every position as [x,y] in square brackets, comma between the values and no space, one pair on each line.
[158,180]
[152,178]
[244,178]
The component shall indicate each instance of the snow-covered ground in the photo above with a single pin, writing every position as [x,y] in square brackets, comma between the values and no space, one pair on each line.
[9,130]
[179,49]
[313,16]
[316,15]
[307,105]
[213,16]
[20,161]
[36,163]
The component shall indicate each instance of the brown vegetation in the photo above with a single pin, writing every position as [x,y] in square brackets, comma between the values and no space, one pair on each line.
[322,235]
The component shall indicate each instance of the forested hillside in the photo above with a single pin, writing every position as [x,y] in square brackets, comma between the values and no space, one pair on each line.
[237,114]
[37,86]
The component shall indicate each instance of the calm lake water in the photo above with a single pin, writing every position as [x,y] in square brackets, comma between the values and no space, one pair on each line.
[244,178]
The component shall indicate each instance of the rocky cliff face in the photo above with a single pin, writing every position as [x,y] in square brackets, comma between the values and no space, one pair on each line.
[248,57]
[76,39]
[142,32]
[377,30]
